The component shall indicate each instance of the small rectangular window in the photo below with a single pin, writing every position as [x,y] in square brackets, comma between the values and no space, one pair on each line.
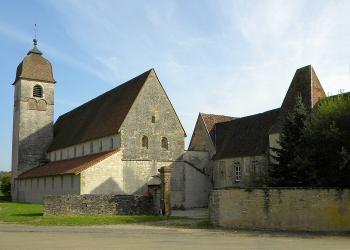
[237,172]
[112,143]
[91,147]
[254,169]
[222,169]
[153,119]
[165,143]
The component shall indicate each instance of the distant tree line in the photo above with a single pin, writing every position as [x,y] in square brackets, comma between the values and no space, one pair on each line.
[315,147]
[5,183]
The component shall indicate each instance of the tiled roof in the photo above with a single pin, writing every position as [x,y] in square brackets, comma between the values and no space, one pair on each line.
[99,117]
[246,136]
[35,67]
[210,120]
[306,84]
[69,166]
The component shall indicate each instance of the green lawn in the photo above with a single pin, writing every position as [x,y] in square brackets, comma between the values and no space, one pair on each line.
[25,213]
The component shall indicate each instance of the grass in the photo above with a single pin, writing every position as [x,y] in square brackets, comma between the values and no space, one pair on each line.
[32,214]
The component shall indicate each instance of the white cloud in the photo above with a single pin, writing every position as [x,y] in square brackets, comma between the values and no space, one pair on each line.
[242,66]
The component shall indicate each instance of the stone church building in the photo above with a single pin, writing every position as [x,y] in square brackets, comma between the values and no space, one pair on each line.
[113,144]
[117,142]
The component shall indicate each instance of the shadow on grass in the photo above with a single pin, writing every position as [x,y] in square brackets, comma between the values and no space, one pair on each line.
[5,198]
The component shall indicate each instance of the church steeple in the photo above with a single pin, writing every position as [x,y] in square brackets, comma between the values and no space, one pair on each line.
[33,113]
[35,67]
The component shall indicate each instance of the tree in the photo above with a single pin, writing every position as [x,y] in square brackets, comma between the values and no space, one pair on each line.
[315,151]
[286,171]
[326,143]
[5,184]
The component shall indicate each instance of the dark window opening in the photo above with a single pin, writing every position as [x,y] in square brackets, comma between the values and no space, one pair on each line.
[165,143]
[153,119]
[38,91]
[144,141]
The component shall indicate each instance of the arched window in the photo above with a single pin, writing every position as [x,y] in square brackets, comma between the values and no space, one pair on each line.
[38,91]
[144,141]
[165,143]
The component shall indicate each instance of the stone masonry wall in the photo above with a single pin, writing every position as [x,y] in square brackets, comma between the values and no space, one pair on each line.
[93,204]
[200,140]
[281,209]
[152,101]
[251,175]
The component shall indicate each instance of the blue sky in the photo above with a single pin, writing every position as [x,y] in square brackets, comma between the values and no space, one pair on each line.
[224,57]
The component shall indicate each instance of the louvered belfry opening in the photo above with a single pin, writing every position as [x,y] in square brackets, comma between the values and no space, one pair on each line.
[38,91]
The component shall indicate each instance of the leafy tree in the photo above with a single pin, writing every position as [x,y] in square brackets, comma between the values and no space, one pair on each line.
[326,143]
[315,152]
[286,172]
[5,184]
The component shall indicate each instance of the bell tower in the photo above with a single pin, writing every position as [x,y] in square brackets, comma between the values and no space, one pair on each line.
[33,114]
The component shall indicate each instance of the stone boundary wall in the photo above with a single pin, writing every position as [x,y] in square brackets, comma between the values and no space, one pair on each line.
[281,209]
[95,204]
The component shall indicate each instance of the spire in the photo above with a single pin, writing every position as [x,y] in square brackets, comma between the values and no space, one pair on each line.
[35,50]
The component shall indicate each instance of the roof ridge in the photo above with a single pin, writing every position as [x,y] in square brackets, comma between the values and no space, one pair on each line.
[217,115]
[250,116]
[105,93]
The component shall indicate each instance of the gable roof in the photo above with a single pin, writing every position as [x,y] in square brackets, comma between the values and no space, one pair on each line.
[65,167]
[210,120]
[246,136]
[100,117]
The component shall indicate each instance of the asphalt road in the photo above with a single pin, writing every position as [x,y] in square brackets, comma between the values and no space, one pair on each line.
[143,237]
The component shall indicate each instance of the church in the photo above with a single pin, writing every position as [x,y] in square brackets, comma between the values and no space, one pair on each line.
[113,144]
[117,142]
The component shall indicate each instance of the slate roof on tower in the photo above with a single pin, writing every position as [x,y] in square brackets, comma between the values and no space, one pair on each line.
[100,117]
[306,84]
[35,67]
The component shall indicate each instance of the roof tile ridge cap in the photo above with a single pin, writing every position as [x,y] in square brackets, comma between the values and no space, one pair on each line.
[86,156]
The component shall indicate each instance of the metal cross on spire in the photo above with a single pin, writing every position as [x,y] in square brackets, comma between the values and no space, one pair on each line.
[35,50]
